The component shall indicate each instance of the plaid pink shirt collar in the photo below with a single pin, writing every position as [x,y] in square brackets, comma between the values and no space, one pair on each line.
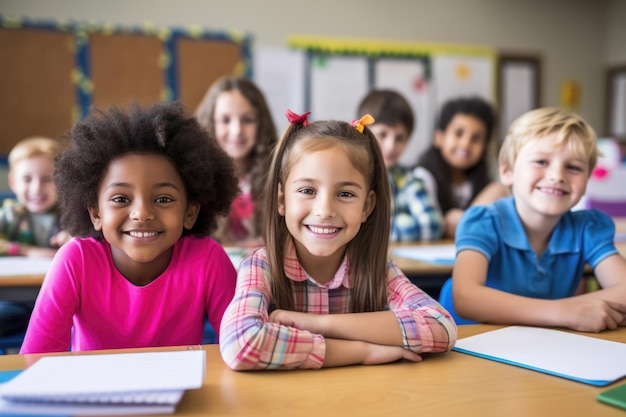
[295,272]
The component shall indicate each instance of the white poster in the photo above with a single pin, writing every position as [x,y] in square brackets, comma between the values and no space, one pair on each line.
[460,75]
[518,91]
[338,84]
[618,116]
[408,77]
[279,73]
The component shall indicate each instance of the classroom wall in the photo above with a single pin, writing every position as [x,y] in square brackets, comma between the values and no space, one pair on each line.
[616,36]
[577,39]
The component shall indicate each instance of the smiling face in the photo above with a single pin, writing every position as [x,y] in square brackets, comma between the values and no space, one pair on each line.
[463,142]
[142,210]
[392,141]
[325,200]
[236,124]
[32,181]
[547,179]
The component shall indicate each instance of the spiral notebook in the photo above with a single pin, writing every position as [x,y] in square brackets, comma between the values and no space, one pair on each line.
[568,355]
[107,384]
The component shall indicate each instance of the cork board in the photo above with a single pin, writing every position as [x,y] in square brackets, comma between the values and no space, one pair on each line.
[38,95]
[200,62]
[125,68]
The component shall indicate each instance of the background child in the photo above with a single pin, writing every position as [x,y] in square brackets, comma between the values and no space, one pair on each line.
[521,259]
[455,169]
[30,225]
[327,240]
[234,110]
[414,216]
[142,189]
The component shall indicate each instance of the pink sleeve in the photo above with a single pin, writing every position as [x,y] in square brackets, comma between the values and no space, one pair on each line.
[412,306]
[222,280]
[249,341]
[50,326]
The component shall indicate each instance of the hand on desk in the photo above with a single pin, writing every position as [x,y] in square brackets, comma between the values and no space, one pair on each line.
[589,314]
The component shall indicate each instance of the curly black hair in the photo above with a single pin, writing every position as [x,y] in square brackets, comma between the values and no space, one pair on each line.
[163,129]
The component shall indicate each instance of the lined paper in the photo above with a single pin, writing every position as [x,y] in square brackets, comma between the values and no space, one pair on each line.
[105,384]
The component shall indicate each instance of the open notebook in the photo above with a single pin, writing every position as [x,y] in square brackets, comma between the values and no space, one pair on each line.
[568,355]
[123,383]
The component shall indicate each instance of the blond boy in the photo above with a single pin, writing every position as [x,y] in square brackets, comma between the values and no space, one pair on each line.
[520,260]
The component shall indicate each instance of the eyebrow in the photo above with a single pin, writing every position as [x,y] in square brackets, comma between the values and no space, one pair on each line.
[341,184]
[127,185]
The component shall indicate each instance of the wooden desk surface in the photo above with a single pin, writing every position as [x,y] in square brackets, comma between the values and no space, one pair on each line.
[451,384]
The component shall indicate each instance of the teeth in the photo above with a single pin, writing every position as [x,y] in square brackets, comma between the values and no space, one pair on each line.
[323,230]
[142,234]
[553,191]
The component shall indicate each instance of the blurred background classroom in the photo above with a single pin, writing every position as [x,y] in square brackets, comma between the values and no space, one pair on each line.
[60,58]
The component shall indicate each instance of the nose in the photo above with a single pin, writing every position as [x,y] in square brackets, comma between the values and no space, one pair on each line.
[466,141]
[324,207]
[141,211]
[555,172]
[234,127]
[35,185]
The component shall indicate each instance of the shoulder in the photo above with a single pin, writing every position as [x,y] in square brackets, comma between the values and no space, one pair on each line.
[405,178]
[200,250]
[84,245]
[591,225]
[589,218]
[485,227]
[256,259]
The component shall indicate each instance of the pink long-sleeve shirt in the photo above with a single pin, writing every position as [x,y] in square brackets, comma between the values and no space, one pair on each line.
[84,290]
[250,341]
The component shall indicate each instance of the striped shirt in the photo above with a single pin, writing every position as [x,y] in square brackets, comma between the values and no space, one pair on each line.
[414,216]
[248,340]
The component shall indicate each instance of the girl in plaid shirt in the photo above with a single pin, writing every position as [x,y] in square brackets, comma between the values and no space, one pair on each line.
[323,291]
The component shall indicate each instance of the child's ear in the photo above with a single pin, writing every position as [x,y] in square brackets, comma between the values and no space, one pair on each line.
[11,179]
[191,215]
[368,207]
[438,140]
[281,200]
[506,175]
[94,215]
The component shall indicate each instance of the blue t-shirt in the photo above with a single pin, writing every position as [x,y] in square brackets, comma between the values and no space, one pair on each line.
[579,238]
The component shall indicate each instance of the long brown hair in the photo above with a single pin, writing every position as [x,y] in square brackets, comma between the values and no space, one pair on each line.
[265,139]
[368,252]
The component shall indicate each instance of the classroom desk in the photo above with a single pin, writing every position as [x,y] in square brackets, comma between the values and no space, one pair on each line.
[450,384]
[427,276]
[21,277]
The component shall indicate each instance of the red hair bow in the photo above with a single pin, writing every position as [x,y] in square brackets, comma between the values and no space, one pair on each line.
[298,118]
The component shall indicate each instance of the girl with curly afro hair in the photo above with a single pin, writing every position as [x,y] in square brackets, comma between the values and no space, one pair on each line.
[140,190]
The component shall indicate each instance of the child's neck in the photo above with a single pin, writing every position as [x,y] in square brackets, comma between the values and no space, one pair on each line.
[141,273]
[457,176]
[539,231]
[242,167]
[322,270]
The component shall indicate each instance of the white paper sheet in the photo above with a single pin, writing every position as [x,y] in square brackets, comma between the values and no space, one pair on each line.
[568,355]
[279,73]
[338,83]
[22,265]
[432,254]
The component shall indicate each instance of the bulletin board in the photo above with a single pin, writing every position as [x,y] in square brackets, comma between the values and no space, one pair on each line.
[342,71]
[53,73]
[38,96]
